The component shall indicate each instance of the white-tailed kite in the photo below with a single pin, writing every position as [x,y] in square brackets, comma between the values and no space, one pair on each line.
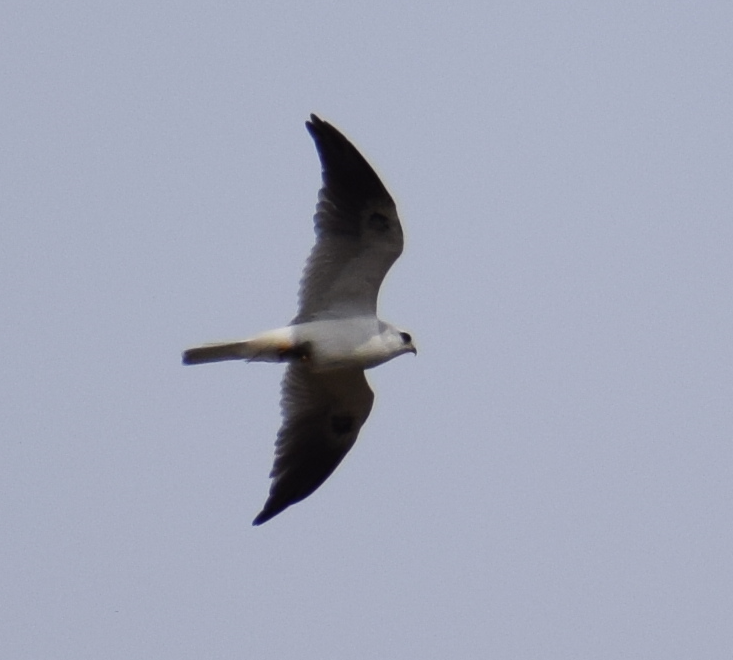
[336,334]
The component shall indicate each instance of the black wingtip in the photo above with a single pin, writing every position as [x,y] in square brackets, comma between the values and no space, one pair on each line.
[346,173]
[315,126]
[266,514]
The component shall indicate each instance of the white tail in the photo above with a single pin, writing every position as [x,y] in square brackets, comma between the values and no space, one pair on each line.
[238,350]
[272,346]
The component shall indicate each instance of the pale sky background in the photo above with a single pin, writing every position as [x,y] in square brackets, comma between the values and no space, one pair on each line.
[550,478]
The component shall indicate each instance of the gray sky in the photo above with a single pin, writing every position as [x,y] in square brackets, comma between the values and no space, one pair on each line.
[549,478]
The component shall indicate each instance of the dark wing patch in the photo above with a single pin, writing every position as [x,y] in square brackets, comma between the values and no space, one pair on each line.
[323,413]
[379,222]
[341,424]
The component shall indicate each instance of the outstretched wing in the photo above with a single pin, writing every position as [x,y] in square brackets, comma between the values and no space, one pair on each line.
[358,233]
[322,416]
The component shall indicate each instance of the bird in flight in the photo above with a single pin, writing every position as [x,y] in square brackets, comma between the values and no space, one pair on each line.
[336,333]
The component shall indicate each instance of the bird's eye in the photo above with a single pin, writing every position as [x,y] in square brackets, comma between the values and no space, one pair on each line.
[406,339]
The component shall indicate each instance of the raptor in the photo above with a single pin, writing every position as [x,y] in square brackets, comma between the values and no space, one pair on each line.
[336,333]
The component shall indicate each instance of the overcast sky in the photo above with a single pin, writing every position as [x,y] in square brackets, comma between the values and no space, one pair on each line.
[550,477]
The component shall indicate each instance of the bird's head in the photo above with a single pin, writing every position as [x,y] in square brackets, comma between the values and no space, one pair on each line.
[394,341]
[401,342]
[405,342]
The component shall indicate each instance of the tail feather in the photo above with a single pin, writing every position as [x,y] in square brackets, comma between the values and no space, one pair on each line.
[271,346]
[237,350]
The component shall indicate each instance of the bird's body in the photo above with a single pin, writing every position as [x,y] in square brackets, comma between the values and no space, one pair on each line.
[358,342]
[336,334]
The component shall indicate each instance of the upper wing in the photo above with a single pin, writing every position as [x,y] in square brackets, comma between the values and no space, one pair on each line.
[323,413]
[358,233]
